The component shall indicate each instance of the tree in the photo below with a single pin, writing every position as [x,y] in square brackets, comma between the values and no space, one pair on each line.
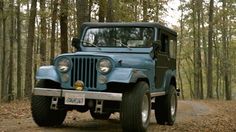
[157,11]
[195,52]
[82,13]
[89,10]
[216,43]
[110,11]
[43,34]
[53,24]
[226,54]
[1,47]
[11,65]
[218,76]
[145,17]
[210,32]
[29,49]
[4,49]
[199,57]
[19,51]
[102,7]
[64,26]
[179,51]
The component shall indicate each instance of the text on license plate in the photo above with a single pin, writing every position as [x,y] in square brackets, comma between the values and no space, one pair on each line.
[74,99]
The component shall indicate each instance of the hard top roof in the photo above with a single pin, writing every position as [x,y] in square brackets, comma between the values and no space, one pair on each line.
[127,24]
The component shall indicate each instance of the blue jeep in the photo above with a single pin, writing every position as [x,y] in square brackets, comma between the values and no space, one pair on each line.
[128,68]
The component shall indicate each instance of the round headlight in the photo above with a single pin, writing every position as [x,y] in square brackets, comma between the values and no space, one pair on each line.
[63,65]
[104,66]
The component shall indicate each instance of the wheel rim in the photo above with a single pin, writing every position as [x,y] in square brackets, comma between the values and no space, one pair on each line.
[145,109]
[173,105]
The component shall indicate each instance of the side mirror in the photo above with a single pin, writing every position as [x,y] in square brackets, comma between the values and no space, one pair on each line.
[75,43]
[156,48]
[156,45]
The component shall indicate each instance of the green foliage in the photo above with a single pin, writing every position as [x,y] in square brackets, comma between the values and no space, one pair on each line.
[186,55]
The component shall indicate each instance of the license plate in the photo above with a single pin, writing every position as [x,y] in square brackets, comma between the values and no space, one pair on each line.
[74,99]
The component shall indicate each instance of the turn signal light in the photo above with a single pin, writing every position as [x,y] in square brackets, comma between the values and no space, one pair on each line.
[79,85]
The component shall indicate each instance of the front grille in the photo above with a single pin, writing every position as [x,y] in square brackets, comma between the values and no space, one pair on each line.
[84,69]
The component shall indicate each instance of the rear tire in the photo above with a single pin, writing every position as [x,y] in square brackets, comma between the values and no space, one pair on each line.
[136,108]
[41,112]
[166,107]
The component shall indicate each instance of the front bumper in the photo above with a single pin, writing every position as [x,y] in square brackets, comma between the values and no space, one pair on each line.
[88,94]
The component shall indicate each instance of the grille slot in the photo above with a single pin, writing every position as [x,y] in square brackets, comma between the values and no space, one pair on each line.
[84,69]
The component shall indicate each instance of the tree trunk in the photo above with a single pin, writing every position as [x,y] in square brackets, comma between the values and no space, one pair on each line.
[230,53]
[199,60]
[136,14]
[36,51]
[157,11]
[195,54]
[204,37]
[89,10]
[110,11]
[82,13]
[217,55]
[11,65]
[19,54]
[57,44]
[54,20]
[210,32]
[189,80]
[225,54]
[1,48]
[4,48]
[179,54]
[102,7]
[29,50]
[145,17]
[204,44]
[64,26]
[43,34]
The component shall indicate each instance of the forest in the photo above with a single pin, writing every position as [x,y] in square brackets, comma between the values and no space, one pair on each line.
[33,32]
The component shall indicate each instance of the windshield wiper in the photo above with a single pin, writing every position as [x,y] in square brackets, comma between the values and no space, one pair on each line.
[91,44]
[120,42]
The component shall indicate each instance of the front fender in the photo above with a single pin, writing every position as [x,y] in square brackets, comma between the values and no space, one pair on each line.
[169,74]
[47,72]
[126,75]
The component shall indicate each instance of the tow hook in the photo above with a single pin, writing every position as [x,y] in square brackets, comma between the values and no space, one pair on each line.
[54,103]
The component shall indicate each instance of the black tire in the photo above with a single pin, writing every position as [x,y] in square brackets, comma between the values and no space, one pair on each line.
[100,116]
[166,107]
[41,112]
[136,108]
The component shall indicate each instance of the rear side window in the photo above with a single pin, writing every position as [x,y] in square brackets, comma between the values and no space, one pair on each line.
[172,48]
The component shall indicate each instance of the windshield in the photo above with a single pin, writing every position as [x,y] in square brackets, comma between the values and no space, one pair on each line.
[130,37]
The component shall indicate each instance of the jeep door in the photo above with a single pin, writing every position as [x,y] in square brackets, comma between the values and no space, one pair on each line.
[162,59]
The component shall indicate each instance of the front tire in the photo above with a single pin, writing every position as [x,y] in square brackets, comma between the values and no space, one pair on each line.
[136,108]
[41,112]
[166,107]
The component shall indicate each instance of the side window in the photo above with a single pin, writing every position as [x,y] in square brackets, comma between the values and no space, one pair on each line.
[164,43]
[172,48]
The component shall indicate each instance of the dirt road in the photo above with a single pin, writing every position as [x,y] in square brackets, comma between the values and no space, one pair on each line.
[191,116]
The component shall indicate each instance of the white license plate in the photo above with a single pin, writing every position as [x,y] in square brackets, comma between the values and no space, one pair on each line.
[74,99]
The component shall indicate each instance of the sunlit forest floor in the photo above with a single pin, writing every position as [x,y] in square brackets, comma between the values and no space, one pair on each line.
[207,115]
